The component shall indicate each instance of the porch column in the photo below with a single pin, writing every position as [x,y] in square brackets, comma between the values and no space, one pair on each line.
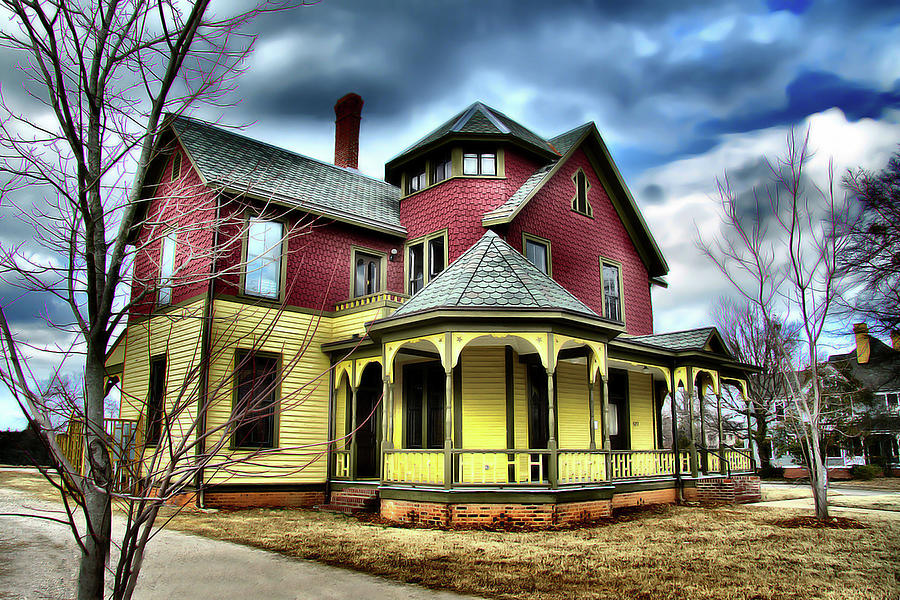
[591,385]
[721,436]
[692,443]
[553,475]
[387,412]
[448,427]
[672,394]
[704,457]
[604,425]
[353,433]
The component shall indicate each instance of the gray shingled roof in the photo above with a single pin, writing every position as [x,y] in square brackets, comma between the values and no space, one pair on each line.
[480,118]
[563,143]
[691,339]
[493,275]
[239,163]
[882,372]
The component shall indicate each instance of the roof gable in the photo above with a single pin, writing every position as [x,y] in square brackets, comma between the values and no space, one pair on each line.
[493,275]
[243,165]
[587,136]
[705,339]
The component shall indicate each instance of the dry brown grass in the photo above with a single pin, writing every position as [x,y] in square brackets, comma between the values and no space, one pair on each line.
[682,553]
[29,481]
[889,502]
[879,483]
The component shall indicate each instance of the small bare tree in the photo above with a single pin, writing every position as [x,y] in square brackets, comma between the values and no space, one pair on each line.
[782,256]
[104,74]
[767,344]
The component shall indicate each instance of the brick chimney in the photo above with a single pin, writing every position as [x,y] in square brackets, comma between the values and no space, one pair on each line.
[895,339]
[347,115]
[861,331]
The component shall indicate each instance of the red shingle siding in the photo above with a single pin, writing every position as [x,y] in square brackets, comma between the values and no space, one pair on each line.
[187,206]
[459,204]
[577,242]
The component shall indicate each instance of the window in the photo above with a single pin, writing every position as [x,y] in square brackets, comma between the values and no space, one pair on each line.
[263,270]
[423,392]
[580,202]
[537,251]
[441,170]
[156,399]
[416,181]
[612,414]
[484,163]
[612,291]
[166,268]
[256,393]
[366,274]
[426,258]
[176,165]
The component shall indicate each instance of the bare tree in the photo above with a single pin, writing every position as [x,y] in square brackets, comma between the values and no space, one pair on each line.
[106,74]
[870,262]
[754,340]
[783,257]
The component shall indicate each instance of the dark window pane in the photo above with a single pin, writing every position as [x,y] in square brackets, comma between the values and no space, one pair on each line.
[536,253]
[367,275]
[441,170]
[360,280]
[254,408]
[611,295]
[166,269]
[156,400]
[372,283]
[416,268]
[263,275]
[435,256]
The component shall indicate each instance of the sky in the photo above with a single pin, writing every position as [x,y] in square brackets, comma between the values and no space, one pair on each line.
[682,93]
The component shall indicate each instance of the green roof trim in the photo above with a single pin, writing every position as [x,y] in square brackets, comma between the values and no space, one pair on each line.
[243,165]
[493,275]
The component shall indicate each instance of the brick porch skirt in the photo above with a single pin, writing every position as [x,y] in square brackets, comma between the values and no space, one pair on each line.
[439,514]
[726,490]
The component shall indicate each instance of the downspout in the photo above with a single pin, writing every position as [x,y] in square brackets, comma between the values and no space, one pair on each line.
[205,357]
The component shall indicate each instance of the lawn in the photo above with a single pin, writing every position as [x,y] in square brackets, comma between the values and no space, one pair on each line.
[725,553]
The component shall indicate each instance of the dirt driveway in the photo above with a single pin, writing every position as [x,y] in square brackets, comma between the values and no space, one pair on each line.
[37,560]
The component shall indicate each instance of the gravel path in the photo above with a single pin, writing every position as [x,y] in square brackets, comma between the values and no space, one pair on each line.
[38,561]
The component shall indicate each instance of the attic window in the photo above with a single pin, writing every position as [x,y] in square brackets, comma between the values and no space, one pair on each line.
[441,170]
[483,163]
[537,251]
[416,181]
[176,166]
[580,202]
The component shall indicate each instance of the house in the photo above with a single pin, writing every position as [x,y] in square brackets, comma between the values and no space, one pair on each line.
[470,337]
[861,421]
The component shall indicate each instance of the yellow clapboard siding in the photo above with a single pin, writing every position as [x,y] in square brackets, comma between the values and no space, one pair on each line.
[640,405]
[302,421]
[572,410]
[483,398]
[343,327]
[521,402]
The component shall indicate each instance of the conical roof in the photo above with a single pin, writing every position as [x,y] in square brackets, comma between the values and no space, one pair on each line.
[493,275]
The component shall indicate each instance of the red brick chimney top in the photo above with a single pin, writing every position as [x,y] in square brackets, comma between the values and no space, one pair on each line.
[347,115]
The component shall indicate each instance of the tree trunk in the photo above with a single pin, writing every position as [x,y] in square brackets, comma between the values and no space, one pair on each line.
[97,508]
[818,476]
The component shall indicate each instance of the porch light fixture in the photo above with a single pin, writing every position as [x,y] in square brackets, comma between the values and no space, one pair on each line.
[393,255]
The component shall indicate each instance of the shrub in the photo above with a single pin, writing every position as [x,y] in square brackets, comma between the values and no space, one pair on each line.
[866,472]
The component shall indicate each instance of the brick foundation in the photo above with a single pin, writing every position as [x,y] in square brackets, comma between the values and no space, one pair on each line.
[261,499]
[353,499]
[725,490]
[666,496]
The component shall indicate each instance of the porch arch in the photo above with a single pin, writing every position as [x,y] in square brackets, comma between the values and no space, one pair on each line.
[537,341]
[438,342]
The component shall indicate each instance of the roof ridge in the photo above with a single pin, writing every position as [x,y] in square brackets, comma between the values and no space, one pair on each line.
[477,267]
[225,129]
[515,272]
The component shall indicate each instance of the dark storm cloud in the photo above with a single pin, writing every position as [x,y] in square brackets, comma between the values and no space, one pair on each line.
[812,92]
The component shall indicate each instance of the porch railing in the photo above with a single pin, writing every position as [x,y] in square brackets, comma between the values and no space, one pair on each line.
[122,437]
[518,467]
[340,467]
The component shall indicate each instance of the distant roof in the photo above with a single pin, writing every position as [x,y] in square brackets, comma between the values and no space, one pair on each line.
[493,275]
[245,165]
[478,118]
[689,339]
[882,372]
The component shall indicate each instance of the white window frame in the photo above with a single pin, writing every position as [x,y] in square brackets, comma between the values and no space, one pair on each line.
[167,249]
[250,270]
[606,262]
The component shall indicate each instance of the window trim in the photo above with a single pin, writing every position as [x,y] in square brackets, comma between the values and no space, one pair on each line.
[177,161]
[173,235]
[165,358]
[612,263]
[245,242]
[530,237]
[276,420]
[382,269]
[495,152]
[424,239]
[589,210]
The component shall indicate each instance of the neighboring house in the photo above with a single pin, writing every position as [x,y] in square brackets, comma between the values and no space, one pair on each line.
[468,337]
[862,421]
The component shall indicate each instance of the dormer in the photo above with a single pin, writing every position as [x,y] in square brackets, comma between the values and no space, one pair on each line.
[470,145]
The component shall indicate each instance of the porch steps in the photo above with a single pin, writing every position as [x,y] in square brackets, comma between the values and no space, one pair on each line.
[352,500]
